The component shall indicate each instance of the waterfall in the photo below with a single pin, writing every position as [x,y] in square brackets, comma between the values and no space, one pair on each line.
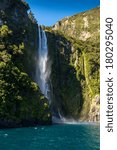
[43,70]
[43,67]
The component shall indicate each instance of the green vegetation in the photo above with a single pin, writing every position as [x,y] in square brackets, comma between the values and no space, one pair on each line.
[20,98]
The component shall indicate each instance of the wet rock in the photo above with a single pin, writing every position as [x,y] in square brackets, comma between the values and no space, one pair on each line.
[94,114]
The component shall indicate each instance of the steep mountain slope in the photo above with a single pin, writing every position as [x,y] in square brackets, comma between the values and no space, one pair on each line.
[74,51]
[21,102]
[84,26]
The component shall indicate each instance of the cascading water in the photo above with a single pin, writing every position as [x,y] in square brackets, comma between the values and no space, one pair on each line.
[43,68]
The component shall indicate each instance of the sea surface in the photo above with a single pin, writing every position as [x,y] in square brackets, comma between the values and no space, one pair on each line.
[55,137]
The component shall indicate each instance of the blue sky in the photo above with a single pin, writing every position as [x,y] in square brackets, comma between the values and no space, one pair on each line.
[48,12]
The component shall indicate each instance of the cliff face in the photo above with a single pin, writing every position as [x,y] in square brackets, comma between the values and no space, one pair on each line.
[21,102]
[74,51]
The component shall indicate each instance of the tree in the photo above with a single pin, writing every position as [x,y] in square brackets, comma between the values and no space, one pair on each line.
[31,17]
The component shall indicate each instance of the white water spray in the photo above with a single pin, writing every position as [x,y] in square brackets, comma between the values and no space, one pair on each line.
[43,68]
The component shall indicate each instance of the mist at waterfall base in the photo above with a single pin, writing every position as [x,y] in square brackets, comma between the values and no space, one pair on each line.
[55,137]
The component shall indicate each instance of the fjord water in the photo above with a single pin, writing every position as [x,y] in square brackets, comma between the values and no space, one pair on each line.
[55,137]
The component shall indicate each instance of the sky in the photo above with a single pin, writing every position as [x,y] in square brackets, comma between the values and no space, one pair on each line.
[48,12]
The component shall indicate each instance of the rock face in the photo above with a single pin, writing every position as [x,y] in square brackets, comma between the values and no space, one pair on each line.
[21,102]
[74,50]
[95,109]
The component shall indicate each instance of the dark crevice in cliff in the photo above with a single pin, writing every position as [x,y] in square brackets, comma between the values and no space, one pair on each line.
[66,86]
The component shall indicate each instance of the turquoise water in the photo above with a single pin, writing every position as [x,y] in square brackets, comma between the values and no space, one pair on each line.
[55,137]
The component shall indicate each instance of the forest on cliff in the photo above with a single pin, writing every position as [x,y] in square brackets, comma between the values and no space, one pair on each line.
[74,51]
